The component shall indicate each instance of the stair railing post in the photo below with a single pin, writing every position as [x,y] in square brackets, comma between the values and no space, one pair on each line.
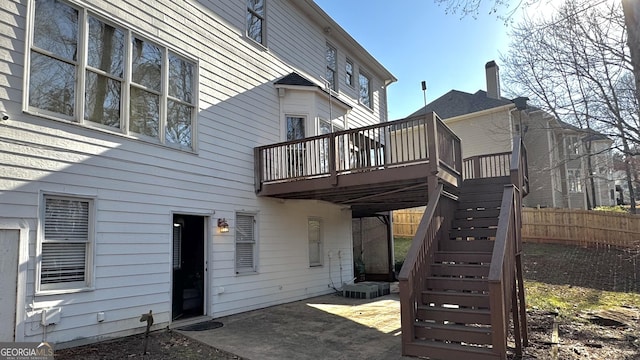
[476,167]
[333,156]
[434,156]
[407,312]
[257,168]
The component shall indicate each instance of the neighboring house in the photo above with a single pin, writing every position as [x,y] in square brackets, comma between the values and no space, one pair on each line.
[623,195]
[127,156]
[486,123]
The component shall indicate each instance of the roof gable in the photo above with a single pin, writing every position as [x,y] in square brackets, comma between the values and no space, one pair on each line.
[295,79]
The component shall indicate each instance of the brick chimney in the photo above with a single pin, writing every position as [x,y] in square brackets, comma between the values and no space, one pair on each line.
[493,79]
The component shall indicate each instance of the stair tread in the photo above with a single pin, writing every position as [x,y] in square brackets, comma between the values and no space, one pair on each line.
[463,252]
[454,310]
[455,327]
[456,293]
[454,346]
[454,278]
[462,265]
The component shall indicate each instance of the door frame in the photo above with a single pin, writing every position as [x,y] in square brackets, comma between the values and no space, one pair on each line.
[23,228]
[206,217]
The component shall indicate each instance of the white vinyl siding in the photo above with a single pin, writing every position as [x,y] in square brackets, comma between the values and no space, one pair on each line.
[66,243]
[137,185]
[315,242]
[127,84]
[245,243]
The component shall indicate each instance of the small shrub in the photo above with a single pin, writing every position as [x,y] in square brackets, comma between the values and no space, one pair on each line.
[617,209]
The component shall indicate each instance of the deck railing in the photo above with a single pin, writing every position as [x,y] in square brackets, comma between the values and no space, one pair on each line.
[506,291]
[435,225]
[391,144]
[497,165]
[487,166]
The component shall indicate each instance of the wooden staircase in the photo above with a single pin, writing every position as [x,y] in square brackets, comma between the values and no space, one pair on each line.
[454,318]
[461,287]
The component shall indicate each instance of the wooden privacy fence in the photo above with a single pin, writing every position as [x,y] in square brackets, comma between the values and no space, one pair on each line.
[580,227]
[561,226]
[406,221]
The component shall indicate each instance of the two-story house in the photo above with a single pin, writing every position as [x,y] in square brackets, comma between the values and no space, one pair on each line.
[486,123]
[127,177]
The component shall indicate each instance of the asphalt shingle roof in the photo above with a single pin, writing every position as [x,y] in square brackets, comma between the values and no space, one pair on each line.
[295,79]
[456,103]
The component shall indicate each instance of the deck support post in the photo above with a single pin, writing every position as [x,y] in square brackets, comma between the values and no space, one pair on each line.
[517,333]
[521,301]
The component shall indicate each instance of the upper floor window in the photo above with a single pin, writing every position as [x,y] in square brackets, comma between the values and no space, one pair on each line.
[574,180]
[114,80]
[573,145]
[348,69]
[365,90]
[332,61]
[256,20]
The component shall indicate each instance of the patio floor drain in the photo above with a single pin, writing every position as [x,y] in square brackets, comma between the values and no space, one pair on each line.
[205,325]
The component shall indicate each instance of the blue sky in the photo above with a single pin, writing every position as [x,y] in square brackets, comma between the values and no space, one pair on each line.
[416,40]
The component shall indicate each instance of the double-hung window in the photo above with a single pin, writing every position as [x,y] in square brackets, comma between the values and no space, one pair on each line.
[256,20]
[110,78]
[348,69]
[574,180]
[365,90]
[332,61]
[66,243]
[573,146]
[245,243]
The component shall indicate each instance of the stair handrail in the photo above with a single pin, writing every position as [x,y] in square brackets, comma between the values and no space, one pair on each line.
[433,226]
[508,244]
[412,277]
[502,271]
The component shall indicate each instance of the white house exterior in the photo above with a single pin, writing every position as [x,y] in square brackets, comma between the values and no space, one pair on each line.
[127,136]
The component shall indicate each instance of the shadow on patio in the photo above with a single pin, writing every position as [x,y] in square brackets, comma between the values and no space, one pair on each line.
[324,327]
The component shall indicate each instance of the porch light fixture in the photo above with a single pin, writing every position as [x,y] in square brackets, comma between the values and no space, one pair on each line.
[223,225]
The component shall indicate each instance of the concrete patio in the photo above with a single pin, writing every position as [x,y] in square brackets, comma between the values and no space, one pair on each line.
[324,327]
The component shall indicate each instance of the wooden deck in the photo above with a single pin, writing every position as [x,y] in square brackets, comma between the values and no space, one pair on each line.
[382,167]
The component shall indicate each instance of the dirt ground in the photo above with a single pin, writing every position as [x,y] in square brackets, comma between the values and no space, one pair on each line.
[161,345]
[613,334]
[582,340]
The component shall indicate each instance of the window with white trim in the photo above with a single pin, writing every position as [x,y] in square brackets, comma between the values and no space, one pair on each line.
[245,243]
[315,241]
[365,90]
[574,180]
[348,70]
[66,243]
[332,63]
[573,145]
[256,20]
[113,79]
